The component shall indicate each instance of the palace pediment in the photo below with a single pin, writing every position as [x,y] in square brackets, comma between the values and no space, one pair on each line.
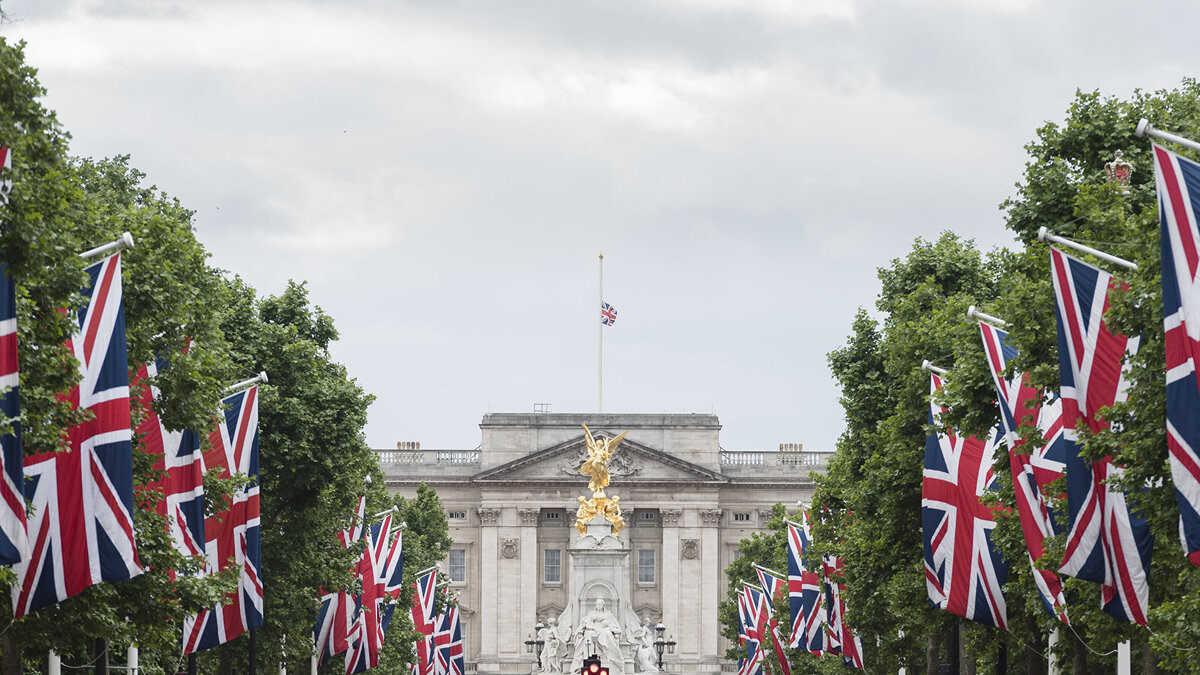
[633,463]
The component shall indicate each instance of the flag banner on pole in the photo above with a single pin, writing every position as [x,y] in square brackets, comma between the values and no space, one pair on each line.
[14,544]
[233,537]
[441,642]
[748,612]
[608,314]
[366,636]
[456,659]
[1106,542]
[833,609]
[1178,181]
[338,613]
[849,644]
[424,603]
[1022,404]
[804,592]
[177,456]
[964,573]
[774,588]
[741,634]
[81,529]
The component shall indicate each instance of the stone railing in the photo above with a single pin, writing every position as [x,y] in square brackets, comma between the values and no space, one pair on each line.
[428,456]
[801,462]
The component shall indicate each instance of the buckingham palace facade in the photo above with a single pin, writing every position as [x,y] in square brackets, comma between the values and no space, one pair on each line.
[511,508]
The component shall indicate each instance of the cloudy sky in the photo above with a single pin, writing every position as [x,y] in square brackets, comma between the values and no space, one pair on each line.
[445,173]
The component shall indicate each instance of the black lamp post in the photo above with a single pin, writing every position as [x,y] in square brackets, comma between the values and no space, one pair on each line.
[660,643]
[536,639]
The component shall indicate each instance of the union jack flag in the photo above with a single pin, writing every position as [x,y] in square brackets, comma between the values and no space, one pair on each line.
[336,618]
[234,538]
[177,455]
[608,314]
[423,607]
[774,587]
[1178,181]
[964,572]
[1106,542]
[366,637]
[748,614]
[13,542]
[804,593]
[1021,403]
[81,531]
[454,653]
[845,641]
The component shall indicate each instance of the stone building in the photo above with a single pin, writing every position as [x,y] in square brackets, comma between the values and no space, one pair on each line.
[511,506]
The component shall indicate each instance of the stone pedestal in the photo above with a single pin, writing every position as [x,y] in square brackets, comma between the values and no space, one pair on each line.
[600,571]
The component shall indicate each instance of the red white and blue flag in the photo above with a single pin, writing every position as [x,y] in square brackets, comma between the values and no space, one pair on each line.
[455,660]
[608,314]
[14,544]
[749,606]
[773,588]
[233,538]
[177,455]
[843,640]
[964,572]
[424,618]
[1106,541]
[331,630]
[1022,404]
[366,636]
[1178,181]
[81,530]
[805,598]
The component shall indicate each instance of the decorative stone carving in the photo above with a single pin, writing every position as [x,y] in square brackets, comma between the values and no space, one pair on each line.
[689,549]
[528,516]
[764,517]
[710,517]
[488,516]
[670,516]
[510,547]
[620,464]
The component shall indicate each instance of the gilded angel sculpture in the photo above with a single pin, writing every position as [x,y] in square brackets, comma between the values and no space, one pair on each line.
[596,464]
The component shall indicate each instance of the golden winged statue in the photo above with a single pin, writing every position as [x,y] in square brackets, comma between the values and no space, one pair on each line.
[596,466]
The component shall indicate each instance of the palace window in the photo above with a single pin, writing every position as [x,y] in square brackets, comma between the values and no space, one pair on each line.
[645,566]
[458,565]
[552,566]
[456,515]
[646,515]
[741,517]
[553,515]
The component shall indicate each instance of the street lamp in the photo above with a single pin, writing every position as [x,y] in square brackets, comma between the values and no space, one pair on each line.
[660,643]
[536,639]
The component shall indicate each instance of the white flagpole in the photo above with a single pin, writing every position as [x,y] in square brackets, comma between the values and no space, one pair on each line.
[973,313]
[126,241]
[600,357]
[1046,235]
[929,367]
[1145,128]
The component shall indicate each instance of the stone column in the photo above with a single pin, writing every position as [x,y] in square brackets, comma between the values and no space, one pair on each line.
[530,564]
[489,601]
[710,582]
[672,585]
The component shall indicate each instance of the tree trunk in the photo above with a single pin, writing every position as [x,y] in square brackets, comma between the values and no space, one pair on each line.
[1035,663]
[224,661]
[933,665]
[966,658]
[12,655]
[1079,664]
[1149,661]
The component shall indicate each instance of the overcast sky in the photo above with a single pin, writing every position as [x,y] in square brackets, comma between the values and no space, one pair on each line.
[444,174]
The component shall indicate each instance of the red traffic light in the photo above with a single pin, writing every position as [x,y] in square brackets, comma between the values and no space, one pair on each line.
[593,668]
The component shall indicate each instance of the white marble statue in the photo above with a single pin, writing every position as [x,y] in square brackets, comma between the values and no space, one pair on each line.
[554,637]
[645,658]
[600,628]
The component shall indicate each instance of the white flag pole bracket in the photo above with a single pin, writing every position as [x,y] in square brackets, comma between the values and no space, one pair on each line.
[768,570]
[1145,128]
[385,512]
[125,241]
[1045,234]
[927,366]
[973,313]
[261,377]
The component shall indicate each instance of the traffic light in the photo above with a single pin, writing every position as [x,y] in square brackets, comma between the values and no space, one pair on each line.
[592,666]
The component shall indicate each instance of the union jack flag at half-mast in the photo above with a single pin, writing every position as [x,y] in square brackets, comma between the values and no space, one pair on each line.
[81,530]
[13,543]
[964,573]
[608,314]
[177,455]
[233,536]
[748,615]
[774,587]
[847,643]
[1106,541]
[1022,404]
[1178,181]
